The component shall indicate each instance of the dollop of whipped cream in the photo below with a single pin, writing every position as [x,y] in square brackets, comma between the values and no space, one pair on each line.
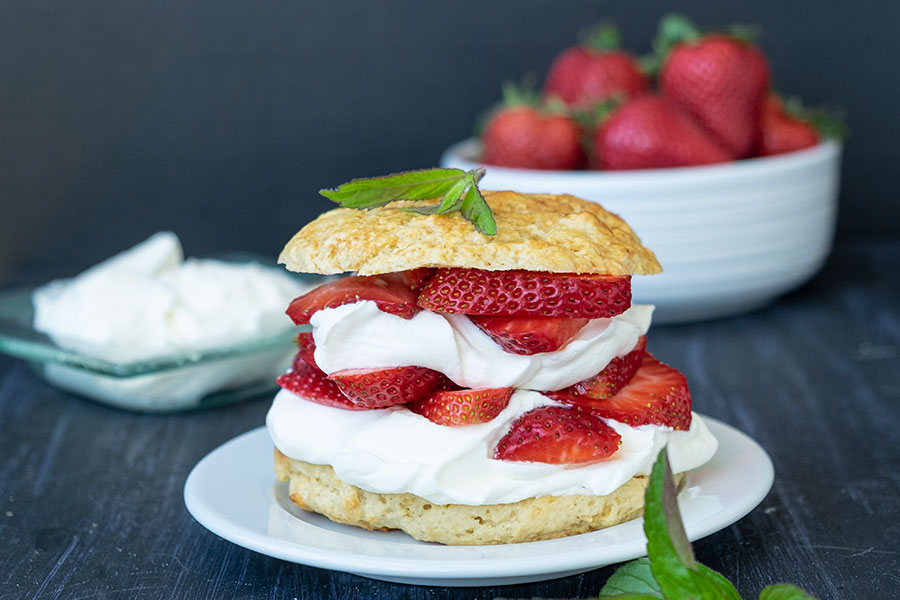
[394,450]
[455,346]
[148,301]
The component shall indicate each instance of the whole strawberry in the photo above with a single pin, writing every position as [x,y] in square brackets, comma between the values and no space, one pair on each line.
[785,128]
[524,136]
[594,71]
[718,79]
[649,132]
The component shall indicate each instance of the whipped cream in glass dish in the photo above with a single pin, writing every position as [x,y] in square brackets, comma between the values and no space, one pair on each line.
[149,303]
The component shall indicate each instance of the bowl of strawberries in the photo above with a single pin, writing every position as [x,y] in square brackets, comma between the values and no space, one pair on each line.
[733,187]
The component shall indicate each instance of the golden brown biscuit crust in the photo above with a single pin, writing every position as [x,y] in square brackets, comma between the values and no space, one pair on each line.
[535,232]
[316,488]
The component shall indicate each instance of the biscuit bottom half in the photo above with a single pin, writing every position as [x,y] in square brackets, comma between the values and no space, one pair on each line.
[317,489]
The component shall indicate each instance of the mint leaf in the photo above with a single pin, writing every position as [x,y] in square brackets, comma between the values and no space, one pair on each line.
[449,202]
[671,558]
[724,586]
[633,579]
[784,591]
[411,185]
[457,189]
[476,209]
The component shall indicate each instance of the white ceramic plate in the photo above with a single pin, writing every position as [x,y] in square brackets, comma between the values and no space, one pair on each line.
[233,493]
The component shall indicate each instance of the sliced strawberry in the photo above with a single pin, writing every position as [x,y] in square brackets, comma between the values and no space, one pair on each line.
[521,293]
[378,388]
[558,435]
[614,376]
[312,385]
[658,394]
[462,407]
[392,295]
[307,346]
[530,335]
[414,278]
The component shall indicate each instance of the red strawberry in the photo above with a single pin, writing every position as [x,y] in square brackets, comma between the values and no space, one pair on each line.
[525,138]
[414,278]
[718,79]
[649,132]
[558,435]
[614,376]
[783,131]
[312,385]
[378,388]
[462,407]
[522,293]
[520,134]
[392,295]
[658,394]
[595,71]
[307,346]
[529,335]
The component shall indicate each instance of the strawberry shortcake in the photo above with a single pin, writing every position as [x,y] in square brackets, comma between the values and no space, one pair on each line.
[477,389]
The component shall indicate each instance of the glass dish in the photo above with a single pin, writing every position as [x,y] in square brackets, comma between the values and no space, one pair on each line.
[174,382]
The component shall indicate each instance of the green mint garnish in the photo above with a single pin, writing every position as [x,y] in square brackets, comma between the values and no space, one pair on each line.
[671,572]
[456,189]
[784,591]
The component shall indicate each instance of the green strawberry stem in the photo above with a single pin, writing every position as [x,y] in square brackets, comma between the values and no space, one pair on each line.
[602,37]
[523,93]
[827,122]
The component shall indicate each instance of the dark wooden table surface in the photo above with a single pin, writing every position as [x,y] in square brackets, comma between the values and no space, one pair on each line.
[91,497]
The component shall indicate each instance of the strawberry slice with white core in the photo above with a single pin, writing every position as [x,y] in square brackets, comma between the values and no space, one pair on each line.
[614,376]
[311,384]
[463,407]
[656,395]
[391,293]
[558,435]
[378,388]
[529,335]
[521,293]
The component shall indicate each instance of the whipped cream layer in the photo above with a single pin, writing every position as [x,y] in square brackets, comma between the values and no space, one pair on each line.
[359,336]
[394,450]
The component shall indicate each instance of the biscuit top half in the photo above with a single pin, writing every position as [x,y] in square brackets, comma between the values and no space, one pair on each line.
[535,232]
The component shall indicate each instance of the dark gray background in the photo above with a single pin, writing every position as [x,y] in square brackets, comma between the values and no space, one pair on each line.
[221,120]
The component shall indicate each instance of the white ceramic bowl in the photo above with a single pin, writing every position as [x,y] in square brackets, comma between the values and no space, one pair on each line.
[730,237]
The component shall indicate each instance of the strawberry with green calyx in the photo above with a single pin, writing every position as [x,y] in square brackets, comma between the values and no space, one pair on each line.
[670,571]
[720,79]
[650,132]
[457,407]
[787,126]
[595,71]
[522,134]
[456,189]
[557,435]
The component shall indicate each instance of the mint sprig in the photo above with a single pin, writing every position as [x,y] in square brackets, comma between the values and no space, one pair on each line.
[456,189]
[671,572]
